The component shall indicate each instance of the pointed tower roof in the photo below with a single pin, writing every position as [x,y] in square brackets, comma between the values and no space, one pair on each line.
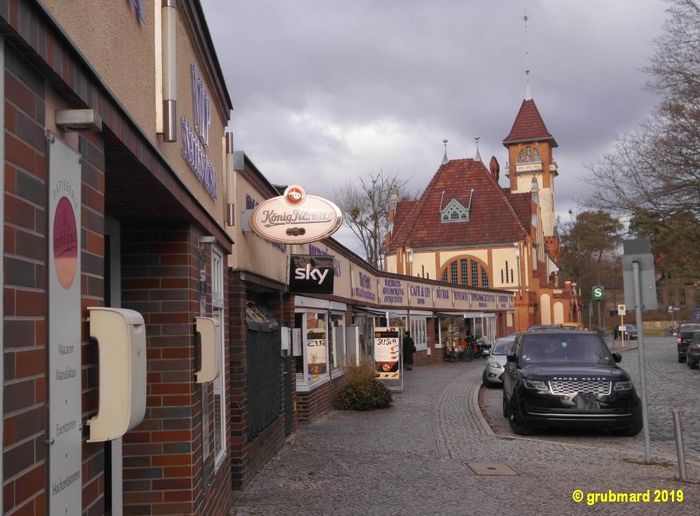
[528,126]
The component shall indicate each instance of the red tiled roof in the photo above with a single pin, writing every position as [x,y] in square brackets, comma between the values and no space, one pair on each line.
[522,205]
[403,208]
[492,218]
[528,125]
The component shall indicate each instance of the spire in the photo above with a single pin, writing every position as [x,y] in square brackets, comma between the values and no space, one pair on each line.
[477,156]
[528,93]
[444,157]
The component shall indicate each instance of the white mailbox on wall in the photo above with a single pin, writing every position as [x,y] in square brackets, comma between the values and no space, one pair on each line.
[207,328]
[121,337]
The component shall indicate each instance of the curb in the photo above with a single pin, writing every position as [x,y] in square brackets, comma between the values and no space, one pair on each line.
[476,410]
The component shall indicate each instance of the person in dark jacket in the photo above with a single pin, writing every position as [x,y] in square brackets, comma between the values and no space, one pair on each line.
[408,349]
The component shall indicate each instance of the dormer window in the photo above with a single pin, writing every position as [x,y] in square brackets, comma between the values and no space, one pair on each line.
[454,212]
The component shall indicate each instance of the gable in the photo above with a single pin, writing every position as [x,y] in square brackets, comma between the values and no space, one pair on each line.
[491,217]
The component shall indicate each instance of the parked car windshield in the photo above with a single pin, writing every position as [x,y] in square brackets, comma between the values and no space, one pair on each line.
[565,348]
[503,346]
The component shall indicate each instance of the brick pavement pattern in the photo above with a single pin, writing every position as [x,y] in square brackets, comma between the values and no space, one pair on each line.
[412,459]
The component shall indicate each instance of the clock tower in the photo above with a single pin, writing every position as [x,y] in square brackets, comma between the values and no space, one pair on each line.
[530,159]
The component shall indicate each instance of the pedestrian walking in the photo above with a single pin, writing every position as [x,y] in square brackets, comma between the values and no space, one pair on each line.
[408,349]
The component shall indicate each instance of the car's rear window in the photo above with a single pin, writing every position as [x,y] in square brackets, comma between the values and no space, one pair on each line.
[564,348]
[689,327]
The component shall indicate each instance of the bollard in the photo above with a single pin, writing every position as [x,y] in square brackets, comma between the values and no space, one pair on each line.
[679,443]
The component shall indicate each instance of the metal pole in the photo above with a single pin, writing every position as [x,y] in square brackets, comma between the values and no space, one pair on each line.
[590,315]
[599,320]
[642,364]
[679,443]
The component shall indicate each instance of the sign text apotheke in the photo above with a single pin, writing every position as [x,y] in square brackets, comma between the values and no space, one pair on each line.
[296,218]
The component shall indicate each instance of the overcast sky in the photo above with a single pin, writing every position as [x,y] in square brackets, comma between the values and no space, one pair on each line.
[328,89]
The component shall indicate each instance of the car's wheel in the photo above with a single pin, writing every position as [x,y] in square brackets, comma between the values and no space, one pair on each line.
[636,427]
[485,381]
[516,421]
[693,365]
[681,358]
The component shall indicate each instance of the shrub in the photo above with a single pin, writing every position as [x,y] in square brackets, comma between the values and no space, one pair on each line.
[362,391]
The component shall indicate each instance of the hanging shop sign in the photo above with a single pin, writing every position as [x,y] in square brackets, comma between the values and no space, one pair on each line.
[387,352]
[311,274]
[296,218]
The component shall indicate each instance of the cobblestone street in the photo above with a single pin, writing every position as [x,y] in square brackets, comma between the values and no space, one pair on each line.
[414,457]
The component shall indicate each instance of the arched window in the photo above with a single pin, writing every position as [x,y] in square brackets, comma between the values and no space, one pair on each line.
[528,153]
[466,271]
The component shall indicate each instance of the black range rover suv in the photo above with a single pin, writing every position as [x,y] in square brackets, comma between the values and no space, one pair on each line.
[568,378]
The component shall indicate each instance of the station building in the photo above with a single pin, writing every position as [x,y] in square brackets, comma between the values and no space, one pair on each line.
[467,230]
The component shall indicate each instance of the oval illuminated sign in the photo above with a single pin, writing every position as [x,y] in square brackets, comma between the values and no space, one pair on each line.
[296,218]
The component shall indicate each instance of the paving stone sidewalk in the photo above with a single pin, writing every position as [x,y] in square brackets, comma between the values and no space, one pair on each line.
[413,459]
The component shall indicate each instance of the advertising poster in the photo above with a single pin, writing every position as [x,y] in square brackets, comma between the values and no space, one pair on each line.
[387,352]
[317,346]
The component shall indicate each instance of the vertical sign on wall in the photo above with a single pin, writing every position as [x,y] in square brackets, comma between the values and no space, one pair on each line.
[65,434]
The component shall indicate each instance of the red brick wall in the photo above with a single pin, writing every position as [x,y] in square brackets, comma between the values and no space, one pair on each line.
[25,291]
[312,404]
[163,463]
[248,456]
[26,296]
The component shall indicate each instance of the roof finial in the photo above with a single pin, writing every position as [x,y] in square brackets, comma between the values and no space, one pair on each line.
[477,156]
[444,158]
[528,93]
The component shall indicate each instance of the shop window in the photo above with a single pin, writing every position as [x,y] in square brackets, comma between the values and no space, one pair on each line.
[313,365]
[338,345]
[219,419]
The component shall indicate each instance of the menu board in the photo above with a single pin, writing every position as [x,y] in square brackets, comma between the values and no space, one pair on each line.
[317,347]
[387,352]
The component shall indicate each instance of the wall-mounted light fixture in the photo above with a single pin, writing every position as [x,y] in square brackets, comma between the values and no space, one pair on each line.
[169,45]
[230,182]
[78,120]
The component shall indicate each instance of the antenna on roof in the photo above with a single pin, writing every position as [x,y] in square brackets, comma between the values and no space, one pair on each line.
[528,93]
[442,195]
[477,156]
[471,196]
[444,158]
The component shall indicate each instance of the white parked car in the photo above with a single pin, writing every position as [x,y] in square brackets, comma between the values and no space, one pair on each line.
[496,361]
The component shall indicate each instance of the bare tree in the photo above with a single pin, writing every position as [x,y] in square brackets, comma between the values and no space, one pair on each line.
[657,167]
[365,203]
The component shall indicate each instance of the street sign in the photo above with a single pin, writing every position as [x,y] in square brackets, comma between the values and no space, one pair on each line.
[639,251]
[621,310]
[598,293]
